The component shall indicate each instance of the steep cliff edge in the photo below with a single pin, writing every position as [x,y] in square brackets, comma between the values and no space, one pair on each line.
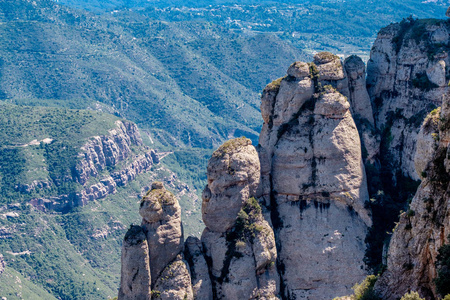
[425,227]
[408,72]
[104,163]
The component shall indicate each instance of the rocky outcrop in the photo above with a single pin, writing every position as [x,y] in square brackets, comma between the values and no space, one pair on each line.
[152,254]
[161,220]
[34,185]
[233,178]
[407,76]
[425,227]
[239,242]
[361,107]
[106,151]
[99,153]
[135,274]
[274,213]
[314,180]
[289,218]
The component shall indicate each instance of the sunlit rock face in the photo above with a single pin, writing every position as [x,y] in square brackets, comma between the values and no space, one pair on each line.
[313,177]
[408,73]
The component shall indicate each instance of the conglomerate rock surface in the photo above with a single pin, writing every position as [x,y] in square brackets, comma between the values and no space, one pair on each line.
[315,181]
[288,219]
[407,77]
[239,242]
[425,227]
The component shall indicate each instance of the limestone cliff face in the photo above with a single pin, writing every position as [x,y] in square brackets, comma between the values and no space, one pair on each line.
[425,227]
[408,73]
[98,154]
[107,151]
[315,179]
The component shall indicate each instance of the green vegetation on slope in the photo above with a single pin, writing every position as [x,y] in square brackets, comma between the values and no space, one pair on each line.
[443,265]
[14,285]
[42,144]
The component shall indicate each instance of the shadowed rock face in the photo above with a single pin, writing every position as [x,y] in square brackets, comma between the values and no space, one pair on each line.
[425,227]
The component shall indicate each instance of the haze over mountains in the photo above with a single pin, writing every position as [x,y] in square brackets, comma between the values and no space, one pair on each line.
[188,73]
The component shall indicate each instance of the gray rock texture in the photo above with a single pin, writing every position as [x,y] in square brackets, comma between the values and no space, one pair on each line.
[407,78]
[174,283]
[161,221]
[425,227]
[135,274]
[288,219]
[313,175]
[153,264]
[201,282]
[233,177]
[238,241]
[243,260]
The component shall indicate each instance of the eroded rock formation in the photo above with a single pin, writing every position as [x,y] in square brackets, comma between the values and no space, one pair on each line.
[161,221]
[135,276]
[153,264]
[289,218]
[239,242]
[425,227]
[98,154]
[407,77]
[317,180]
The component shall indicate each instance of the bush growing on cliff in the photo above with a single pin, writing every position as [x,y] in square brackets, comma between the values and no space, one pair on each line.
[443,267]
[411,296]
[364,290]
